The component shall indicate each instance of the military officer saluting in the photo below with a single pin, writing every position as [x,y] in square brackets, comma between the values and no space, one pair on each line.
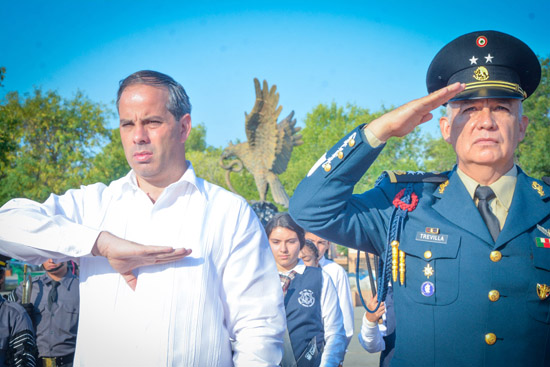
[468,251]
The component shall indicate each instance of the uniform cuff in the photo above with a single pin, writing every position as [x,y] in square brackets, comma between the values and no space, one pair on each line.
[371,138]
[369,324]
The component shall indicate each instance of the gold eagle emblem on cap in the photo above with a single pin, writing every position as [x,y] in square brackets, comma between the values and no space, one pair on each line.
[481,73]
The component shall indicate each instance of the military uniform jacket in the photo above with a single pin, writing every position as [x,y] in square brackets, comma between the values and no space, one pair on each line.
[56,329]
[17,343]
[446,232]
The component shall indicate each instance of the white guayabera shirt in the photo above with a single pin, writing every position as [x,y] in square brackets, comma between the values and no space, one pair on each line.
[220,306]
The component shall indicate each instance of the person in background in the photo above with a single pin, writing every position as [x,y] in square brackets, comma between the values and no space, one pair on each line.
[54,311]
[315,333]
[339,278]
[17,342]
[309,254]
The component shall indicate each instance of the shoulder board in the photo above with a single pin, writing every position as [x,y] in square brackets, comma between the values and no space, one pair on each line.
[415,176]
[546,180]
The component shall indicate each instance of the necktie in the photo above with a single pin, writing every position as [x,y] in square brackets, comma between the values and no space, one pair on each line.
[484,194]
[285,280]
[52,296]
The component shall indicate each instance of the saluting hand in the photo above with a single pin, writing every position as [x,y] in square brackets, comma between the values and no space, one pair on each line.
[404,119]
[125,256]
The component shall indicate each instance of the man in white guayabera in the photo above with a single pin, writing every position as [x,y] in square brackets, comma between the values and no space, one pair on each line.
[209,295]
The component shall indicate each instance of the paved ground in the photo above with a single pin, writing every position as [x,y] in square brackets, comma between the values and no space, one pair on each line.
[356,355]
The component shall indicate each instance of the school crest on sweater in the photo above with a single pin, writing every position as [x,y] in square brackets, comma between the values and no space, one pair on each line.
[306,298]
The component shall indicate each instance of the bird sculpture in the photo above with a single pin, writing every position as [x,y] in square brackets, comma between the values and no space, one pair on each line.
[267,151]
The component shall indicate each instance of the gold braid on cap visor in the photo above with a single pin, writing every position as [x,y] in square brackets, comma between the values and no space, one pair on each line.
[498,84]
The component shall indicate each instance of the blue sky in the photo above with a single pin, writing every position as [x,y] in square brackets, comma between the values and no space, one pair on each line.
[370,53]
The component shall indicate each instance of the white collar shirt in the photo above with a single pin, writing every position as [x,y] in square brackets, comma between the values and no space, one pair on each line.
[220,306]
[341,283]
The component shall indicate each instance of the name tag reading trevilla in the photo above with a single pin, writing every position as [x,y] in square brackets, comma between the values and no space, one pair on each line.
[429,237]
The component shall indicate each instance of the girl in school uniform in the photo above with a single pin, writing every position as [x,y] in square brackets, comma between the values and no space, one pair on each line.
[315,330]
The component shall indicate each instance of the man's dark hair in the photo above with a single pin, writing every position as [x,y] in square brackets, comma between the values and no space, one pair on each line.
[285,220]
[310,245]
[178,101]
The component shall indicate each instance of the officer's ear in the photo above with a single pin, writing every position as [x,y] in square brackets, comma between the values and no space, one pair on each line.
[523,122]
[445,127]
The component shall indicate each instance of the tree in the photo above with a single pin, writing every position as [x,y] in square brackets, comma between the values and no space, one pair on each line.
[47,142]
[109,164]
[197,139]
[440,155]
[327,124]
[533,153]
[2,74]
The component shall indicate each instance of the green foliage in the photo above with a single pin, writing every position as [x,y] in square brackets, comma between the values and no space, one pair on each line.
[207,165]
[326,125]
[47,142]
[440,155]
[197,139]
[109,164]
[2,74]
[342,250]
[533,154]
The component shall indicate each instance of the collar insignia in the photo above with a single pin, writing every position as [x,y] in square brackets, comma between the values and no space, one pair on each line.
[443,186]
[538,188]
[543,291]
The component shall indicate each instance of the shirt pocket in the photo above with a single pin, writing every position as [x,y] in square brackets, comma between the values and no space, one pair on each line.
[67,319]
[431,270]
[539,308]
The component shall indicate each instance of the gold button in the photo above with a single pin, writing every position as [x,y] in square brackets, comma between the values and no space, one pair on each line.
[495,256]
[340,154]
[428,254]
[494,295]
[351,142]
[327,167]
[490,338]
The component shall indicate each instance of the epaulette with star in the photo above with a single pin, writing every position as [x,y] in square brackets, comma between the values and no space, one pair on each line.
[412,176]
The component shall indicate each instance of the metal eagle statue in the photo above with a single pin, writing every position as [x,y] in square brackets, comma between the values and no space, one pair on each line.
[269,146]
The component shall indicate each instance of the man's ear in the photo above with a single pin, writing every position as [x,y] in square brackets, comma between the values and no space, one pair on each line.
[445,127]
[185,123]
[523,123]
